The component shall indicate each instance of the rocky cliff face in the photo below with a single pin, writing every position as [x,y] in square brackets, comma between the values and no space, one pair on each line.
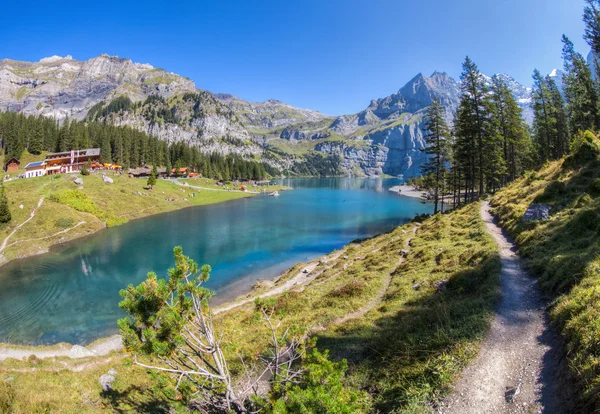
[386,137]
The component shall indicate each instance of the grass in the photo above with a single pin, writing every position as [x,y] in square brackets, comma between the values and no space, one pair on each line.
[404,352]
[98,205]
[563,252]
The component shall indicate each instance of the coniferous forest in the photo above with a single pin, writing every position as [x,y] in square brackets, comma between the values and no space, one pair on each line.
[124,146]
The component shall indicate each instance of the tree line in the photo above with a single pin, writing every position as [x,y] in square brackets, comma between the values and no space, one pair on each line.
[121,145]
[490,144]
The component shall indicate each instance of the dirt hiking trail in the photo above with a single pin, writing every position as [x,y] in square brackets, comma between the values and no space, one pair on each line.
[520,367]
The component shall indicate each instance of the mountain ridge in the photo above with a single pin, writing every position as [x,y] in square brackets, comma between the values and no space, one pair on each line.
[384,138]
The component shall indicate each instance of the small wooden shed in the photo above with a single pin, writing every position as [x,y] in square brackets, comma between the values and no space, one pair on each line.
[12,165]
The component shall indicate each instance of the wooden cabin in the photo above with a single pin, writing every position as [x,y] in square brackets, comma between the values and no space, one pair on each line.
[12,165]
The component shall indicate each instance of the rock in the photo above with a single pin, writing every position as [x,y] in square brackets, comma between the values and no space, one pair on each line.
[537,212]
[345,266]
[404,253]
[107,180]
[9,379]
[441,285]
[78,351]
[112,372]
[80,187]
[78,181]
[106,381]
[21,206]
[416,286]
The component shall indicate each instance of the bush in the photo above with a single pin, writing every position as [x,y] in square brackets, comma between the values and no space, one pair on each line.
[78,200]
[64,222]
[585,147]
[349,289]
[320,390]
[86,168]
[594,187]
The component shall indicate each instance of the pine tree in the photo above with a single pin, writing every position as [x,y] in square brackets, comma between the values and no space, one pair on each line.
[581,95]
[473,129]
[512,129]
[5,215]
[437,147]
[152,179]
[36,139]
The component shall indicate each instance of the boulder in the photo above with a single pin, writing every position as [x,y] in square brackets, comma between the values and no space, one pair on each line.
[112,372]
[440,285]
[78,181]
[107,180]
[106,381]
[537,212]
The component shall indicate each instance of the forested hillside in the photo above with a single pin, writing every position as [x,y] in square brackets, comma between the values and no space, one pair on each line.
[122,145]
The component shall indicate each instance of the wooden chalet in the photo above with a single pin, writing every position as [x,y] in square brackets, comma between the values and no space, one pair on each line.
[70,161]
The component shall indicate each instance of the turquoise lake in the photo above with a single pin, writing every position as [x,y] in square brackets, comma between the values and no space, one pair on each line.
[72,293]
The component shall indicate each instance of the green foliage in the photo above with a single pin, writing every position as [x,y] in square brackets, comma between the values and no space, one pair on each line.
[349,289]
[438,148]
[152,179]
[580,91]
[550,125]
[320,390]
[78,200]
[7,398]
[5,215]
[64,222]
[86,168]
[585,147]
[594,187]
[120,104]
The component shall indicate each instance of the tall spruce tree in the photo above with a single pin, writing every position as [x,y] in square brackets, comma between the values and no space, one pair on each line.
[474,133]
[581,95]
[512,129]
[36,138]
[437,147]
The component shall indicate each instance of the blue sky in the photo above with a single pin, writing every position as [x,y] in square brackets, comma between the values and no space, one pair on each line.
[330,55]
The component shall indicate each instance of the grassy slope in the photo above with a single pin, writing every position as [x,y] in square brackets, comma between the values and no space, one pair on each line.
[113,204]
[404,352]
[563,253]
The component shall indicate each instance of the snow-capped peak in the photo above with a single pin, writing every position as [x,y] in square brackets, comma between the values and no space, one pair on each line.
[554,73]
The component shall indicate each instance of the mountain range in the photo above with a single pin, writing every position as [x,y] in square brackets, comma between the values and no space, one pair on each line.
[385,138]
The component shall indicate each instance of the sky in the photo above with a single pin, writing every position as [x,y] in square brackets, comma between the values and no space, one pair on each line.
[334,56]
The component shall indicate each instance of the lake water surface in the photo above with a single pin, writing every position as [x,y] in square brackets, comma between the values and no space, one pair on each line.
[72,293]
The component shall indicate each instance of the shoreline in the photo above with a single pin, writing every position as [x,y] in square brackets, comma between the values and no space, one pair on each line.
[97,225]
[288,279]
[407,191]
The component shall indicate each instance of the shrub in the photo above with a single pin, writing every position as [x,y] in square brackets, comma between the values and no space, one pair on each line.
[320,390]
[349,289]
[594,187]
[585,147]
[86,168]
[78,200]
[64,222]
